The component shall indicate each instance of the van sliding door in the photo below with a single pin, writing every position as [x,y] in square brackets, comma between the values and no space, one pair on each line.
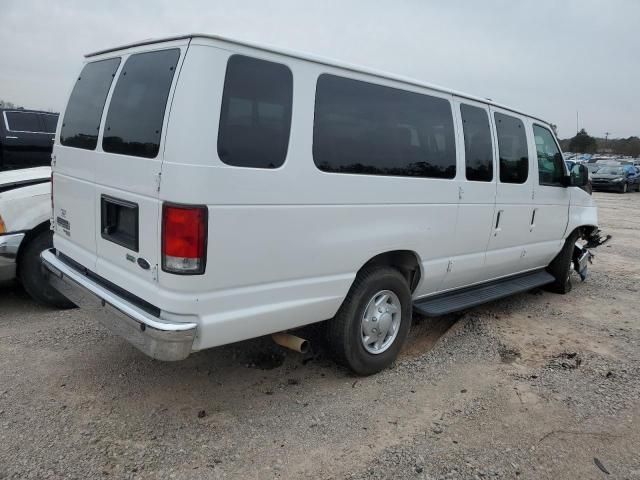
[509,239]
[477,192]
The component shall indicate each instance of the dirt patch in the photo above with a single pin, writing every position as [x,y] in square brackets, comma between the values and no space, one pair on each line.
[508,354]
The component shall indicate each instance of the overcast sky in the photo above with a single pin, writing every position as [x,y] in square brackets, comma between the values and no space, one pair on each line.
[548,57]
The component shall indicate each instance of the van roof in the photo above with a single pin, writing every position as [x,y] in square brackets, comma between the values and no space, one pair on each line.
[316,59]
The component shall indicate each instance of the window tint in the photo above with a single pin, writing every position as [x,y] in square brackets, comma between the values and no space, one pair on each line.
[136,111]
[255,118]
[478,152]
[23,122]
[370,129]
[49,122]
[550,161]
[512,146]
[81,120]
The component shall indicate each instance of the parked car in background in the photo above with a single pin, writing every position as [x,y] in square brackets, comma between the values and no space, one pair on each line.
[26,138]
[25,210]
[619,178]
[593,167]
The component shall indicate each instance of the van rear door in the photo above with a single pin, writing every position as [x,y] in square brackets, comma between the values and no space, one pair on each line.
[107,164]
[127,209]
[74,162]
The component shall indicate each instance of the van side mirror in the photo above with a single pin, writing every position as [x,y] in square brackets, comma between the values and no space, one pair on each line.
[579,176]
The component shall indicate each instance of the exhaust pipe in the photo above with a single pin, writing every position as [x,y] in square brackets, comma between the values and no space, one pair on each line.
[291,342]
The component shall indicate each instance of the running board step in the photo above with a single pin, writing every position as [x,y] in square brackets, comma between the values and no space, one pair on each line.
[472,296]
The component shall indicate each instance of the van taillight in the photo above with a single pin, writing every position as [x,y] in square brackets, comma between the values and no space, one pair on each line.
[184,239]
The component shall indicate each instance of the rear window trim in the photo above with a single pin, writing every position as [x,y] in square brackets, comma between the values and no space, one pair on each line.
[6,122]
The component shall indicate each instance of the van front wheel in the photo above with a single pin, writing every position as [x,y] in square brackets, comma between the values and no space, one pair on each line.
[560,267]
[373,322]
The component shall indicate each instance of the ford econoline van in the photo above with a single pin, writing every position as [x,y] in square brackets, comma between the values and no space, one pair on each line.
[207,191]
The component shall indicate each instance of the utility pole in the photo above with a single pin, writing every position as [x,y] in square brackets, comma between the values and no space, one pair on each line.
[577,123]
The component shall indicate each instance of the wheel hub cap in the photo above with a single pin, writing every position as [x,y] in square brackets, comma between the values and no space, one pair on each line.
[381,322]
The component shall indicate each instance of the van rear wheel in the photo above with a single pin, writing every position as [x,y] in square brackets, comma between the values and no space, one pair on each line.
[373,322]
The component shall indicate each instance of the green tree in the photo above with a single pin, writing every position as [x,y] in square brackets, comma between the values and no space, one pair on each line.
[583,143]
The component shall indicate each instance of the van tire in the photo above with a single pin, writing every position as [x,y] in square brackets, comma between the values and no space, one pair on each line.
[560,267]
[344,331]
[32,276]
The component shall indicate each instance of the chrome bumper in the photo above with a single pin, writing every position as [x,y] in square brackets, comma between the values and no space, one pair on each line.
[154,336]
[9,246]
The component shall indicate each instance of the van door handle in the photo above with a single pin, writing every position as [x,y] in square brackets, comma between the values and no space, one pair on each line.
[497,227]
[533,220]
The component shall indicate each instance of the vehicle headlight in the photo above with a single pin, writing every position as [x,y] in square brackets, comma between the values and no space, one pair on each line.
[619,179]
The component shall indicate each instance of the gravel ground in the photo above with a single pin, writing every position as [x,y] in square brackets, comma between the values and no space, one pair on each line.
[534,386]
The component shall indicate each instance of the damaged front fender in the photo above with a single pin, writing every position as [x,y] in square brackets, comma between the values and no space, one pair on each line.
[582,256]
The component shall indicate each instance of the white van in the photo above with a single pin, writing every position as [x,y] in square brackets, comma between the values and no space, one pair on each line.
[208,191]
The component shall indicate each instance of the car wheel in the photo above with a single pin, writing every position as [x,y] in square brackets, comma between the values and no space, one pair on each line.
[373,322]
[560,267]
[32,276]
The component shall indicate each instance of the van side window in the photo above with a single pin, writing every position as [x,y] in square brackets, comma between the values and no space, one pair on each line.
[23,122]
[478,152]
[255,117]
[550,161]
[136,112]
[512,146]
[371,129]
[81,120]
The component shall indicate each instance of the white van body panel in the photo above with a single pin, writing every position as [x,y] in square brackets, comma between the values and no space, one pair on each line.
[285,244]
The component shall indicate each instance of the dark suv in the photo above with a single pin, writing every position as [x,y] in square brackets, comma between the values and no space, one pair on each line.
[26,138]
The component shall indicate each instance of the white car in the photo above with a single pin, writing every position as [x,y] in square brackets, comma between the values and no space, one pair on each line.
[25,210]
[208,190]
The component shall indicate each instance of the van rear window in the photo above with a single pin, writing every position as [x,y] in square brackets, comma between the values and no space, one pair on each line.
[255,117]
[364,128]
[81,121]
[136,111]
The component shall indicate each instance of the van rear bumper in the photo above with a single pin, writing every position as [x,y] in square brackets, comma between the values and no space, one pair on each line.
[152,335]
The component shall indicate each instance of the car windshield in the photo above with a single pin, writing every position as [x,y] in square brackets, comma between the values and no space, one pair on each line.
[611,171]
